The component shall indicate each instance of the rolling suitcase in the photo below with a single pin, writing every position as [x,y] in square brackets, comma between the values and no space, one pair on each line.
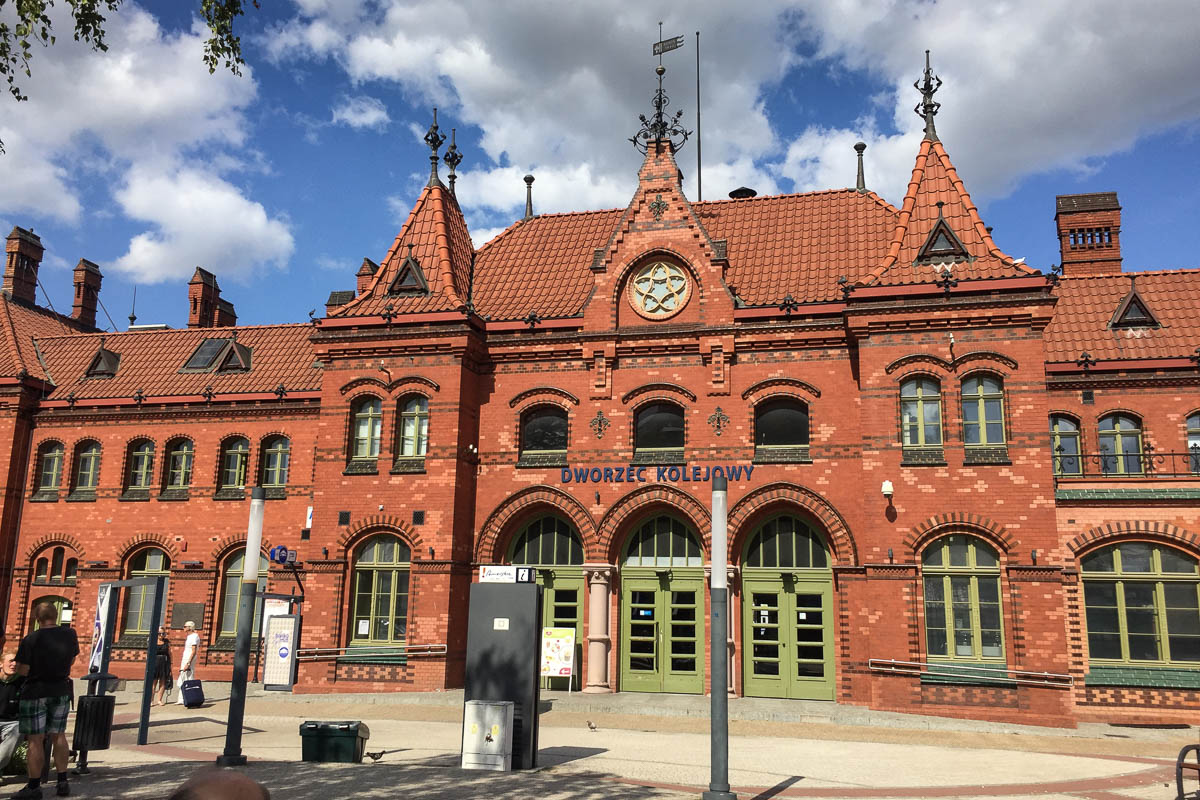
[193,694]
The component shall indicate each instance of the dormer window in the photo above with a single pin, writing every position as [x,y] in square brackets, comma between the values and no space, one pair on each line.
[219,355]
[941,244]
[409,278]
[104,363]
[1133,312]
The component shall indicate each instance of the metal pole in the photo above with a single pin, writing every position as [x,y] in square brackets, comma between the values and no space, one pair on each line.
[156,618]
[232,757]
[718,783]
[699,178]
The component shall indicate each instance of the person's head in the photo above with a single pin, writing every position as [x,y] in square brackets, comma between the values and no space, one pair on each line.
[8,665]
[162,631]
[189,627]
[213,783]
[46,614]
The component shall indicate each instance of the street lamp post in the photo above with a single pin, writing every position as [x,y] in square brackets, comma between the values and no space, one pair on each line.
[718,783]
[233,757]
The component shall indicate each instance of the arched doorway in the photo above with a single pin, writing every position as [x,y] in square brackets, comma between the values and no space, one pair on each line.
[787,612]
[662,609]
[552,545]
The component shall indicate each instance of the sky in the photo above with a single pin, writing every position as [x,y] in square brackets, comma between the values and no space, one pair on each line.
[282,180]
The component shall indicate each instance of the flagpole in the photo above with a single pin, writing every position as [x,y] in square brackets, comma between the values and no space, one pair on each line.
[699,180]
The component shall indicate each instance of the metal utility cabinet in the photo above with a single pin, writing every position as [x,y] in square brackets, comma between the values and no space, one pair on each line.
[487,736]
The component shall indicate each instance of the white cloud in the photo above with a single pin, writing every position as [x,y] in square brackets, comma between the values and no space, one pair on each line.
[361,112]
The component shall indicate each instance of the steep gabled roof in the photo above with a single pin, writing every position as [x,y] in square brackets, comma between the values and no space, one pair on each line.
[20,324]
[437,233]
[936,196]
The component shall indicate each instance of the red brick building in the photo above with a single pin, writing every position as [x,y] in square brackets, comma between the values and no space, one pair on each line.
[958,485]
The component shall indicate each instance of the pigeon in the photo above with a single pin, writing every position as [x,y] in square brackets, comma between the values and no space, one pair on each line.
[592,726]
[376,756]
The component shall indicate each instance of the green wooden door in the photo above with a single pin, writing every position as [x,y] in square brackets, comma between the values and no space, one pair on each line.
[662,630]
[787,630]
[562,607]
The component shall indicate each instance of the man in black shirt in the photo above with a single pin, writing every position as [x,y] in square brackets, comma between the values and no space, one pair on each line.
[45,658]
[10,692]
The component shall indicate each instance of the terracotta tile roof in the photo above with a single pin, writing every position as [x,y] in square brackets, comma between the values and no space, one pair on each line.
[151,362]
[934,180]
[20,324]
[1086,305]
[437,232]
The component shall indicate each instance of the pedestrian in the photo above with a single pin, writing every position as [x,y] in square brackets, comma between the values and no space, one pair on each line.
[162,668]
[211,783]
[187,662]
[10,707]
[45,657]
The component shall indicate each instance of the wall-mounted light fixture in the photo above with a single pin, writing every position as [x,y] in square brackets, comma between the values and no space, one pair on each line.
[890,559]
[431,553]
[887,490]
[1033,555]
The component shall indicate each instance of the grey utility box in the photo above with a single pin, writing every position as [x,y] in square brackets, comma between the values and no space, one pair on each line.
[487,735]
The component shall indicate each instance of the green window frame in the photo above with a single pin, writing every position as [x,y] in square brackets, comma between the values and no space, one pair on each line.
[983,411]
[367,429]
[414,426]
[381,590]
[50,458]
[231,585]
[180,457]
[235,455]
[1120,445]
[786,542]
[663,541]
[141,464]
[1065,444]
[87,466]
[1142,605]
[276,462]
[547,540]
[963,619]
[150,562]
[1193,442]
[920,413]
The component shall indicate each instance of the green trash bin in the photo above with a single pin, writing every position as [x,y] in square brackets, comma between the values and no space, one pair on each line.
[341,742]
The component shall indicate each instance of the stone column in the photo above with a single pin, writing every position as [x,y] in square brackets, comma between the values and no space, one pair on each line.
[599,582]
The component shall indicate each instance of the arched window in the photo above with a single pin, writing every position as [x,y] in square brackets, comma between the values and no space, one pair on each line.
[544,433]
[1120,445]
[235,455]
[920,413]
[962,599]
[276,459]
[57,560]
[150,562]
[414,427]
[548,540]
[781,423]
[50,460]
[663,542]
[366,427]
[87,466]
[1193,441]
[71,571]
[1064,445]
[1142,604]
[786,542]
[983,411]
[658,429]
[179,464]
[41,570]
[231,587]
[141,465]
[380,613]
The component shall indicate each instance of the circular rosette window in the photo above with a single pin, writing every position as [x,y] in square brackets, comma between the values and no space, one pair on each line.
[659,290]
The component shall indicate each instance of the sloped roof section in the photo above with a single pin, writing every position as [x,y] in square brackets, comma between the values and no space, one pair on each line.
[437,232]
[935,193]
[1086,306]
[20,324]
[152,362]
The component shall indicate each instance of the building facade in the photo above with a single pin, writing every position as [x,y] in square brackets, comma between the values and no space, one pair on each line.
[957,485]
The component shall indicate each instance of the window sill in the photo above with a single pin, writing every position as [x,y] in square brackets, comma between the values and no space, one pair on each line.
[53,582]
[173,494]
[986,456]
[926,457]
[233,493]
[408,466]
[132,641]
[363,467]
[82,496]
[135,496]
[673,457]
[797,454]
[275,492]
[1181,677]
[349,657]
[557,458]
[967,677]
[44,497]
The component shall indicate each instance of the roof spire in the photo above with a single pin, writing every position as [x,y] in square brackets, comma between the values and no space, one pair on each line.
[859,147]
[435,141]
[928,107]
[528,197]
[452,158]
[660,126]
[132,314]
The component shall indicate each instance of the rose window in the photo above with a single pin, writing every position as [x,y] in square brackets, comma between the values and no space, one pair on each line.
[659,290]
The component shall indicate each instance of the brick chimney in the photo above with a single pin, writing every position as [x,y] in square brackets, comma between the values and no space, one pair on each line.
[24,254]
[365,274]
[87,292]
[206,309]
[1089,233]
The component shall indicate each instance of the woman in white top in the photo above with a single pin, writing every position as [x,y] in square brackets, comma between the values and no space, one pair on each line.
[187,663]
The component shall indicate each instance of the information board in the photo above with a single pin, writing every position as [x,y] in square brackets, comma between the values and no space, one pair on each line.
[279,653]
[558,652]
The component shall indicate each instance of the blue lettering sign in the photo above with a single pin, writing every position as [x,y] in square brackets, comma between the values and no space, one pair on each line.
[688,473]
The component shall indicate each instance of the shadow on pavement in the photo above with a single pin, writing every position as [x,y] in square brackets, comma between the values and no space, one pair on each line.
[553,756]
[774,791]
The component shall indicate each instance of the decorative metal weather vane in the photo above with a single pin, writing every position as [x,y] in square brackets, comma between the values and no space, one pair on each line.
[928,107]
[452,158]
[435,141]
[661,125]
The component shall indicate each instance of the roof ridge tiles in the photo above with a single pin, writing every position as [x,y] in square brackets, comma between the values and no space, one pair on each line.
[163,331]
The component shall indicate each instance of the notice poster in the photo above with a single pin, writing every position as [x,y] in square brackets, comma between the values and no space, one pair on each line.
[273,607]
[558,652]
[279,668]
[102,600]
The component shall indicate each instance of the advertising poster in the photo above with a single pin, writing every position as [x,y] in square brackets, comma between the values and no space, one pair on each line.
[103,597]
[558,652]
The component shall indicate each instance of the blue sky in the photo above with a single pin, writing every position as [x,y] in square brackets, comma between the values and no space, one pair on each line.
[282,180]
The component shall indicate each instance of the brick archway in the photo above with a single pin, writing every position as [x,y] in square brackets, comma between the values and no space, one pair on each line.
[1134,529]
[777,496]
[144,540]
[955,521]
[379,523]
[495,530]
[629,508]
[42,542]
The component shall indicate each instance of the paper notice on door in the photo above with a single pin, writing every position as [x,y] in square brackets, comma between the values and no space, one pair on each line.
[364,627]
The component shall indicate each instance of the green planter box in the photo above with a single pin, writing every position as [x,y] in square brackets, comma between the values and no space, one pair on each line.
[341,742]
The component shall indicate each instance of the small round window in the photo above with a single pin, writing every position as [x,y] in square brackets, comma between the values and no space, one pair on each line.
[659,290]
